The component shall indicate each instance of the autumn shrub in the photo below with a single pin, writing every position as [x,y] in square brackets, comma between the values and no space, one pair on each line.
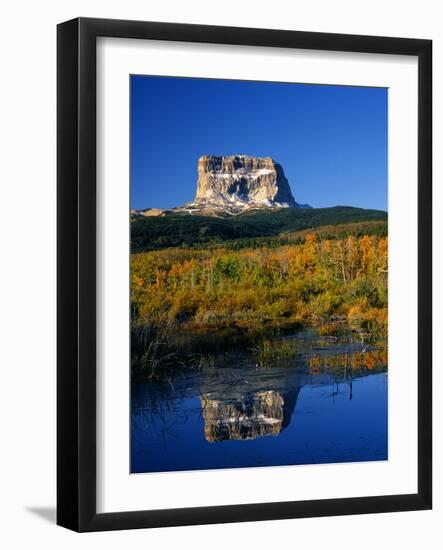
[184,305]
[153,308]
[375,321]
[323,306]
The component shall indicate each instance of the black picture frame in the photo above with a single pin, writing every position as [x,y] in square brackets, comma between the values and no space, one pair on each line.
[76,266]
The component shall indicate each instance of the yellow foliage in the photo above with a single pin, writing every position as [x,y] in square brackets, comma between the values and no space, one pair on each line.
[322,283]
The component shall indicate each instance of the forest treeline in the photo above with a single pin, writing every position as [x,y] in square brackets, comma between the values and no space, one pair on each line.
[271,228]
[378,228]
[320,282]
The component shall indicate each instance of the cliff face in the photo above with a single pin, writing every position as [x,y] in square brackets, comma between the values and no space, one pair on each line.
[235,184]
[242,181]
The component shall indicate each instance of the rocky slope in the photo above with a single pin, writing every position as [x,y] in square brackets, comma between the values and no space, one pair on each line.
[234,184]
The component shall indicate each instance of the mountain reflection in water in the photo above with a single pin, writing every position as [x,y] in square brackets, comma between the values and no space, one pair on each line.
[325,403]
[258,415]
[247,415]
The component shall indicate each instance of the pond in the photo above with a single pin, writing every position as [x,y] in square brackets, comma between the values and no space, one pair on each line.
[283,399]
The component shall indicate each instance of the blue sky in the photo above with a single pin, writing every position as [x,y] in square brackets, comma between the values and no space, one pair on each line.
[330,140]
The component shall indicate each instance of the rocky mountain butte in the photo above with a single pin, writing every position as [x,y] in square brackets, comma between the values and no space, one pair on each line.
[234,184]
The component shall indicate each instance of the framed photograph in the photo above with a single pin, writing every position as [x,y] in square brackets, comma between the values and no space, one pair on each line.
[244,274]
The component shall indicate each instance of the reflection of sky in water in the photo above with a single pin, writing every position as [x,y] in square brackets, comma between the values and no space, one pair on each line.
[244,416]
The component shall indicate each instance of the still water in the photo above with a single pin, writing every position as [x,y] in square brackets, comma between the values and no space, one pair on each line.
[297,399]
